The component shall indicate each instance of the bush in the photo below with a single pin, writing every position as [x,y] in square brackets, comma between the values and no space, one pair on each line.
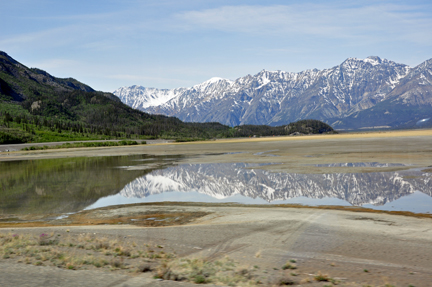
[200,279]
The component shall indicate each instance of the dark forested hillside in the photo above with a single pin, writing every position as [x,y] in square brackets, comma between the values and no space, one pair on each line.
[35,106]
[297,128]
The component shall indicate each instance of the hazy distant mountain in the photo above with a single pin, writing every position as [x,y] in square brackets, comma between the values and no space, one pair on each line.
[223,180]
[139,97]
[343,96]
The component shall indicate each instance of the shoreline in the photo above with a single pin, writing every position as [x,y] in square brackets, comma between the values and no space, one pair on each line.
[82,218]
[339,244]
[162,142]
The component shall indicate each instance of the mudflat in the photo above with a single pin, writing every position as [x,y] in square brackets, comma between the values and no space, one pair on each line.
[271,245]
[289,154]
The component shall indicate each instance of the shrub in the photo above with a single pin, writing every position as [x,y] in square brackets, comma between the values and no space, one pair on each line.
[289,266]
[286,281]
[200,279]
[322,277]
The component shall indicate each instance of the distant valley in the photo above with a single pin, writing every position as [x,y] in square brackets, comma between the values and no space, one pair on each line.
[38,107]
[371,93]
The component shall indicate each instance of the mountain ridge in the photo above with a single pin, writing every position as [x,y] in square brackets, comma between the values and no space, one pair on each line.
[279,97]
[36,106]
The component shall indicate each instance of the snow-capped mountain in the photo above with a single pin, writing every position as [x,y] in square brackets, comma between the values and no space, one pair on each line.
[222,180]
[278,97]
[139,97]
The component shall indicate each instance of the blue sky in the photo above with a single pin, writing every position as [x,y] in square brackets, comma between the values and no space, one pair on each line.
[166,44]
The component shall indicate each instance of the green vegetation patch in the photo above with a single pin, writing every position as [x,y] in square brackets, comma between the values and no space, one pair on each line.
[85,144]
[14,136]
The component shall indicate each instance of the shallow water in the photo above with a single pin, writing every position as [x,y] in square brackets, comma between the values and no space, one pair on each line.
[246,183]
[360,164]
[67,184]
[70,185]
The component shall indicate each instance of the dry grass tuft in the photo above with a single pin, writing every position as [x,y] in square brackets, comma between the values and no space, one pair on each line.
[322,277]
[81,251]
[201,271]
[289,265]
[258,254]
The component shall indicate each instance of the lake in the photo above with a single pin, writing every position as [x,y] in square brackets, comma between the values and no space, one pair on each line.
[68,185]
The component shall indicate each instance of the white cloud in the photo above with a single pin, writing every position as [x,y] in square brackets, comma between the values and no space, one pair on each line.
[52,64]
[33,37]
[329,21]
[157,45]
[370,24]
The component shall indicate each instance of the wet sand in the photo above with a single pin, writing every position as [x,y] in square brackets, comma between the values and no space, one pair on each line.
[289,154]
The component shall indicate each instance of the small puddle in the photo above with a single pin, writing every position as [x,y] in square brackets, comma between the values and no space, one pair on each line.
[265,153]
[360,164]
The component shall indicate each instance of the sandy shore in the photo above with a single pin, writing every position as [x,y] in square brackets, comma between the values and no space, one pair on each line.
[289,154]
[354,248]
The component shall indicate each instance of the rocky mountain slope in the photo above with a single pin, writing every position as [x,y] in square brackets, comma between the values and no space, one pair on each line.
[408,105]
[227,179]
[17,82]
[343,96]
[36,106]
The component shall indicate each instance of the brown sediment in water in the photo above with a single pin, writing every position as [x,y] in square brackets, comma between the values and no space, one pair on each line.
[144,219]
[104,216]
[109,216]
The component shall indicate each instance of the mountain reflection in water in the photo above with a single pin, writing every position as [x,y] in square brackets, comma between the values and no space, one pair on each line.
[223,180]
[65,185]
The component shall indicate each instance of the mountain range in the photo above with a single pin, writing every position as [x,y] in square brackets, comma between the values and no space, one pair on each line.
[358,93]
[36,106]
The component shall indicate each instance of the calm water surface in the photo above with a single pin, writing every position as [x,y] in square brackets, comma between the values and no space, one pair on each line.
[73,184]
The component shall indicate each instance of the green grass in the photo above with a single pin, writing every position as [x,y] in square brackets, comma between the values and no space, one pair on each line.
[85,144]
[188,139]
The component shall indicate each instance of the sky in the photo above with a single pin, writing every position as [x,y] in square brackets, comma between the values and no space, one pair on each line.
[108,44]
